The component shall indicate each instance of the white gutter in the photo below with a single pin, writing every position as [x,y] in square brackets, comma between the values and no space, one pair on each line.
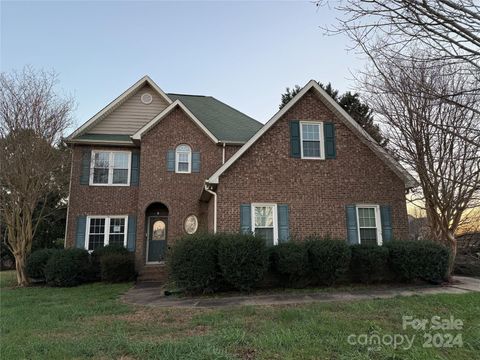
[214,207]
[68,203]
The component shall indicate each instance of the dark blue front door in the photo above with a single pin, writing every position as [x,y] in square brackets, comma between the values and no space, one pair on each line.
[157,238]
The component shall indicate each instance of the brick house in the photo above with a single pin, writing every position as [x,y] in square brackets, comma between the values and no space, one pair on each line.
[151,167]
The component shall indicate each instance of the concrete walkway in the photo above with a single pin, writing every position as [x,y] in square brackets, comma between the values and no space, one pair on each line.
[153,295]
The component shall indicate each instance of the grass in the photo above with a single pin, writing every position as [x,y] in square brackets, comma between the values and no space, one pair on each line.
[90,322]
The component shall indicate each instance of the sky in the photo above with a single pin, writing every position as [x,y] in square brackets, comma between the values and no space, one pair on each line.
[243,53]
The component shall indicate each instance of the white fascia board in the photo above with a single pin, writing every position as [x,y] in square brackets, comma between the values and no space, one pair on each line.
[120,99]
[343,115]
[165,112]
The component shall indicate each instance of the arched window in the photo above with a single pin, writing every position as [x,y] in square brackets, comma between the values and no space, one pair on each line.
[183,159]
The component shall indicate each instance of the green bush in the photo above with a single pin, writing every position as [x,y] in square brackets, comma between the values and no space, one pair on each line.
[328,259]
[290,263]
[102,251]
[369,263]
[69,267]
[193,263]
[243,260]
[426,260]
[37,261]
[116,267]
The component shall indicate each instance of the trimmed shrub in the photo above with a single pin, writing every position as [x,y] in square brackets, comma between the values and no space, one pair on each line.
[290,263]
[426,260]
[69,267]
[102,251]
[116,267]
[193,263]
[328,259]
[369,263]
[37,261]
[243,260]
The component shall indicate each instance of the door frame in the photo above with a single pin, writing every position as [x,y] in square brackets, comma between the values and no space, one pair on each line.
[147,240]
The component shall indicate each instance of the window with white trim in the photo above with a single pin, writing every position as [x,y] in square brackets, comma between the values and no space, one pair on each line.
[183,159]
[110,168]
[264,222]
[369,226]
[311,140]
[103,231]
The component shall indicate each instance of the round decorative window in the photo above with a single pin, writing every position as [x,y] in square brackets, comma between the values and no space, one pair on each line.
[146,98]
[191,224]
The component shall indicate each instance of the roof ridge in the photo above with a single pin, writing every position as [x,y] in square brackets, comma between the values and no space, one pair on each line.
[189,95]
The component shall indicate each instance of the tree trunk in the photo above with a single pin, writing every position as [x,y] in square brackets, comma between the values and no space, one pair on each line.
[22,277]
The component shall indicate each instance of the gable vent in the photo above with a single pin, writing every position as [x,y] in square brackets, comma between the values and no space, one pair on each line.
[146,98]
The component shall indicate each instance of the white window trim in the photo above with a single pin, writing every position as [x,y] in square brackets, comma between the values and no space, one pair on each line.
[275,221]
[189,171]
[106,236]
[378,221]
[110,168]
[321,139]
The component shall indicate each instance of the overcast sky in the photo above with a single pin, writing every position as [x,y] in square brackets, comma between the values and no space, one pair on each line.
[243,53]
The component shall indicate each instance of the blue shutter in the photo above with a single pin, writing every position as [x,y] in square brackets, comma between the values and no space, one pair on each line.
[295,139]
[171,160]
[195,162]
[386,218]
[329,137]
[132,232]
[80,232]
[352,230]
[283,230]
[135,168]
[245,219]
[85,170]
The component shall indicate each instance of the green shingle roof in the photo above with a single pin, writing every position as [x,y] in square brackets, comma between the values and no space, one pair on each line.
[223,121]
[104,137]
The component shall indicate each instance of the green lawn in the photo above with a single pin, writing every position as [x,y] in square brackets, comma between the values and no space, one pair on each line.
[90,322]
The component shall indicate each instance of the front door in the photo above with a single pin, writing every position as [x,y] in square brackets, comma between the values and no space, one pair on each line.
[156,239]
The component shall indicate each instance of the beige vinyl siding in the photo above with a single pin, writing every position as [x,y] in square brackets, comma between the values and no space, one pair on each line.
[131,115]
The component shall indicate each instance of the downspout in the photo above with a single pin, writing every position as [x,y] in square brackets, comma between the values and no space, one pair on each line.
[214,207]
[223,154]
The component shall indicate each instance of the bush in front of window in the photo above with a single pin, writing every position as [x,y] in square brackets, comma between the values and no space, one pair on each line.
[328,259]
[290,264]
[193,263]
[68,267]
[369,263]
[426,260]
[37,261]
[100,252]
[243,260]
[117,267]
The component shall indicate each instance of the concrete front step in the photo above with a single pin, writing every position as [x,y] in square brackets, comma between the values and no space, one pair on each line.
[153,273]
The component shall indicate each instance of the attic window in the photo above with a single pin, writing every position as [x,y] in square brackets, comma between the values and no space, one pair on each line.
[146,98]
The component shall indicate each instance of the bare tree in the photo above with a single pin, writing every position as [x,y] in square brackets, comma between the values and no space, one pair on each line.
[33,118]
[435,137]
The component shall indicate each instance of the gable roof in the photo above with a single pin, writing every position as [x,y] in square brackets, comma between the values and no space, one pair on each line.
[116,103]
[224,122]
[138,135]
[343,116]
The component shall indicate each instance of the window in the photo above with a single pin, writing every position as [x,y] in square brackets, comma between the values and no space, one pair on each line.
[102,231]
[311,135]
[183,159]
[110,168]
[264,220]
[368,218]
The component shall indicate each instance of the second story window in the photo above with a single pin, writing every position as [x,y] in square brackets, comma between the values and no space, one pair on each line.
[311,134]
[183,159]
[110,168]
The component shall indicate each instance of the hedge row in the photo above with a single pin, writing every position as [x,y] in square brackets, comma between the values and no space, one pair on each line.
[71,267]
[208,263]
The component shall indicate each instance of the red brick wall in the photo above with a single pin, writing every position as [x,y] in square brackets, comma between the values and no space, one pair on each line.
[179,192]
[96,200]
[316,190]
